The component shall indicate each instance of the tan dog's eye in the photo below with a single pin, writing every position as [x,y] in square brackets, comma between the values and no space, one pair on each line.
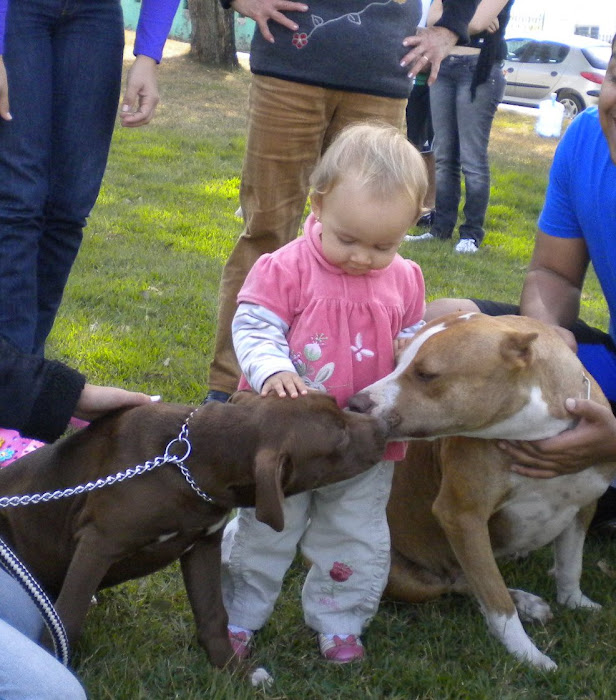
[425,376]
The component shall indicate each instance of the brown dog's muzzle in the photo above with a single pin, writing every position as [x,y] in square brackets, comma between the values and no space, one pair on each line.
[361,403]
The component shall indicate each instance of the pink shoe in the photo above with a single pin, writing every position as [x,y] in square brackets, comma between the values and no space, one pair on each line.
[341,649]
[241,643]
[13,446]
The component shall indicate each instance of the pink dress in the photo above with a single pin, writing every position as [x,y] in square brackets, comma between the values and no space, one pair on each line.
[341,327]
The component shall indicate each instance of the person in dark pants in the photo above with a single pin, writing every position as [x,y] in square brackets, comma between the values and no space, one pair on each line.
[420,133]
[463,100]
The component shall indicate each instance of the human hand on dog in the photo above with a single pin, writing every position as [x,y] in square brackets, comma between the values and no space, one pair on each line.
[591,441]
[284,384]
[95,401]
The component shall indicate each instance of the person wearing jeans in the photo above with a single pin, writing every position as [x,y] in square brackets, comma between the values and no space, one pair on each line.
[60,79]
[64,79]
[463,101]
[61,68]
[462,133]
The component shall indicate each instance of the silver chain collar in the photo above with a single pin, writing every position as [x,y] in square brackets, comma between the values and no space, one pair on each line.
[167,458]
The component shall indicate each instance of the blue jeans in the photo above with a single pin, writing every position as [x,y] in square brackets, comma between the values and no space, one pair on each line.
[64,68]
[461,135]
[26,670]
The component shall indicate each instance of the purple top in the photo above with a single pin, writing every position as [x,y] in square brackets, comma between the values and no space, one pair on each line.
[3,4]
[155,19]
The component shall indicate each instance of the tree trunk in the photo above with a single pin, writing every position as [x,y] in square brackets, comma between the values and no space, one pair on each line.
[213,38]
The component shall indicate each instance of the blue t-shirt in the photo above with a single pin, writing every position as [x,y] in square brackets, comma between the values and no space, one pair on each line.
[580,200]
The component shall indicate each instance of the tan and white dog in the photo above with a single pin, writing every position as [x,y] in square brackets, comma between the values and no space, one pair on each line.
[469,380]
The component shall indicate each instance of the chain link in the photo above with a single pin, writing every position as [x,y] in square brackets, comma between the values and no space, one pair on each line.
[167,458]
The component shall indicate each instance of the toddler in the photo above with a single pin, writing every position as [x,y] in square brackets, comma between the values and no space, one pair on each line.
[324,312]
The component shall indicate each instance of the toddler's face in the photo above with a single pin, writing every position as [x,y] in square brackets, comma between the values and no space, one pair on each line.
[360,231]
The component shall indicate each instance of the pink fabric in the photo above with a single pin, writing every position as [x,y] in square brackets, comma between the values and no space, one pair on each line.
[341,327]
[13,446]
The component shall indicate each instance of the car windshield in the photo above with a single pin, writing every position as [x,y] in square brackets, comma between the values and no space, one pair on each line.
[598,56]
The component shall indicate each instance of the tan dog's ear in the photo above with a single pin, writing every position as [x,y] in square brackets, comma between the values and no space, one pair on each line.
[269,465]
[516,349]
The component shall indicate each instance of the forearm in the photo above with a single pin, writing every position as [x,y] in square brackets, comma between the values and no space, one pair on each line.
[37,396]
[259,339]
[549,297]
[486,13]
[456,17]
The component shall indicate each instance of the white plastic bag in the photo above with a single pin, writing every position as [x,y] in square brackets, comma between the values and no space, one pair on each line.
[550,119]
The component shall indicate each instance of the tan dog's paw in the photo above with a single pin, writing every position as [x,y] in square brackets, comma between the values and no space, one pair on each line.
[576,599]
[530,607]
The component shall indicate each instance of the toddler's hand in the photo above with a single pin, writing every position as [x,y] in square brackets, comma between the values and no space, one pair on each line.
[283,384]
[400,344]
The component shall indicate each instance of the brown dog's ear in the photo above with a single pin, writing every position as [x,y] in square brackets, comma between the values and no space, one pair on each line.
[516,349]
[269,465]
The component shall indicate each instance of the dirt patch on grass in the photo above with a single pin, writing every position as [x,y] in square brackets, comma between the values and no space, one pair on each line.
[196,97]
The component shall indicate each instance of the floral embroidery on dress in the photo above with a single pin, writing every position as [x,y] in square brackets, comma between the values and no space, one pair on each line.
[359,350]
[313,353]
[301,39]
[339,574]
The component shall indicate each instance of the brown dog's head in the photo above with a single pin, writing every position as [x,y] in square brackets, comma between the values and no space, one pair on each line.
[305,443]
[480,376]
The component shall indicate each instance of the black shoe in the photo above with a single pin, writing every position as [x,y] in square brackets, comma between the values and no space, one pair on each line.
[603,523]
[213,395]
[427,219]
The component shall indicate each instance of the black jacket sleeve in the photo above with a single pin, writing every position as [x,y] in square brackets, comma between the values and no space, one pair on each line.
[37,396]
[456,16]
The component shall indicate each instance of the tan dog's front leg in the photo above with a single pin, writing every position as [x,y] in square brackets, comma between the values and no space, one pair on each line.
[201,572]
[463,508]
[568,553]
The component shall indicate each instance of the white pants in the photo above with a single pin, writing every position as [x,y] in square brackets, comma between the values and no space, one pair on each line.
[341,529]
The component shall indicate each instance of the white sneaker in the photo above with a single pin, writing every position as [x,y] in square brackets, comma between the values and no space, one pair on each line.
[423,237]
[466,245]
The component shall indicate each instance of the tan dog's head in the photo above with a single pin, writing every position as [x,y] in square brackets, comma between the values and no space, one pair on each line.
[305,443]
[480,376]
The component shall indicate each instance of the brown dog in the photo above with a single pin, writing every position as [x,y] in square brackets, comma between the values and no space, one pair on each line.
[253,451]
[455,503]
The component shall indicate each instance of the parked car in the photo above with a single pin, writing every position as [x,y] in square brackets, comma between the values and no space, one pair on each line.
[573,67]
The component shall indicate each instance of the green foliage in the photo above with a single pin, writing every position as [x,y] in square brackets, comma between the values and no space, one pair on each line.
[140,311]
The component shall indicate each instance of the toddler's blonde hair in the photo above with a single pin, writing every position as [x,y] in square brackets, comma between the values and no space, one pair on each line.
[380,156]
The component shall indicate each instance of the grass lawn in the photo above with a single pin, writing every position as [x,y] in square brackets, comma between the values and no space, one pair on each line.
[140,311]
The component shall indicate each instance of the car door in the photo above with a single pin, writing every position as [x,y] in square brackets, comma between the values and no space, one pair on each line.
[540,69]
[515,52]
